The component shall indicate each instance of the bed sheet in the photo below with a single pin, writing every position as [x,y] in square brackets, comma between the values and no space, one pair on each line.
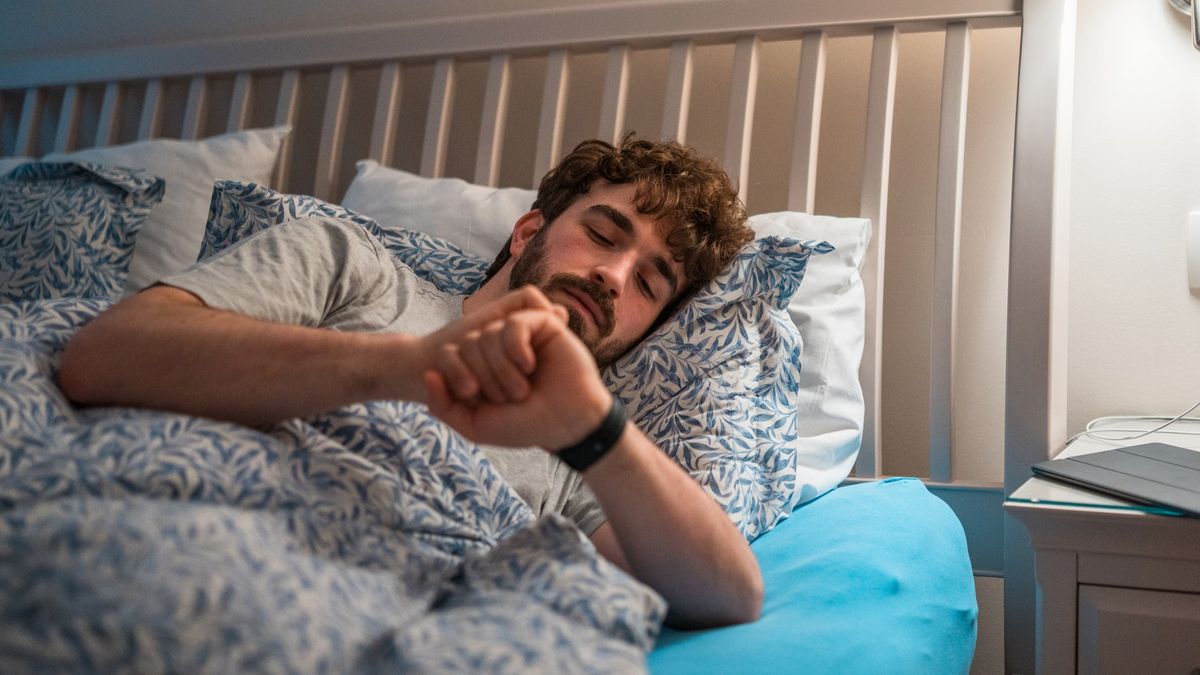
[869,578]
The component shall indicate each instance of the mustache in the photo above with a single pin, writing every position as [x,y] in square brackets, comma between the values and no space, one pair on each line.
[597,295]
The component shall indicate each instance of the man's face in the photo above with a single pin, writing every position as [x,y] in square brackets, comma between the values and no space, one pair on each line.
[606,263]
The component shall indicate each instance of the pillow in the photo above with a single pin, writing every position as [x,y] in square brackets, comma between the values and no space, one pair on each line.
[171,236]
[69,229]
[714,386]
[7,164]
[477,219]
[870,578]
[238,210]
[828,308]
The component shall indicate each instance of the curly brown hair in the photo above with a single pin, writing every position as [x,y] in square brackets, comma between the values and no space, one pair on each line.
[692,196]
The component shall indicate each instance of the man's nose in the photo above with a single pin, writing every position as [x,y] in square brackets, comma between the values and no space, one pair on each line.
[613,273]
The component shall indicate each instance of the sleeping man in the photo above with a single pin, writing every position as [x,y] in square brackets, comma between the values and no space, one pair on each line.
[313,314]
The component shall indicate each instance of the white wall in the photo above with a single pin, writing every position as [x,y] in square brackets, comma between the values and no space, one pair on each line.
[1134,325]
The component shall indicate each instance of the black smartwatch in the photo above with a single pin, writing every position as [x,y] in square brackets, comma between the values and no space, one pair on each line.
[588,451]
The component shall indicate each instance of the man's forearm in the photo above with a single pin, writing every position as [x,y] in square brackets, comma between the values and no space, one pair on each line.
[675,537]
[165,349]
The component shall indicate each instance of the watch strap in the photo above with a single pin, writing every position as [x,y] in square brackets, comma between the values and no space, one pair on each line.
[596,444]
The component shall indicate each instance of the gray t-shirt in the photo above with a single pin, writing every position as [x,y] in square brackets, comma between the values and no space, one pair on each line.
[328,273]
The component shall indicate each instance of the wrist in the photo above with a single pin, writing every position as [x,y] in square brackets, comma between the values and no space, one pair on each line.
[390,367]
[599,441]
[595,406]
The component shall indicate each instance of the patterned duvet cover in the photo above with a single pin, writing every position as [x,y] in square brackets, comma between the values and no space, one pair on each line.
[368,539]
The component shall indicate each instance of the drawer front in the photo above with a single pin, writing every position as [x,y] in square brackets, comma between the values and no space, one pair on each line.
[1124,630]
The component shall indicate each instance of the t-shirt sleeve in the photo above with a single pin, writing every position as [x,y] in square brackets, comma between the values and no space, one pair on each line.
[581,506]
[300,272]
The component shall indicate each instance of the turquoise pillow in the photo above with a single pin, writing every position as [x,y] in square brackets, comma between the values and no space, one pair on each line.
[869,578]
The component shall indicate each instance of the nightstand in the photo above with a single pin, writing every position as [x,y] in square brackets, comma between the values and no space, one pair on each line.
[1118,583]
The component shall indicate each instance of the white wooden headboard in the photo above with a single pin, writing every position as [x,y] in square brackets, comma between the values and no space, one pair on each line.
[395,92]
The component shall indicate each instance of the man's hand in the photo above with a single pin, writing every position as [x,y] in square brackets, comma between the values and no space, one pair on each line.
[523,378]
[518,379]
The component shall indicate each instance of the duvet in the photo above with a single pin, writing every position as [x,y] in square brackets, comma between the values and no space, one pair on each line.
[368,539]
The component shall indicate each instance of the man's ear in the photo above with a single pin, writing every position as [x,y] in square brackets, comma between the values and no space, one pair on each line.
[527,226]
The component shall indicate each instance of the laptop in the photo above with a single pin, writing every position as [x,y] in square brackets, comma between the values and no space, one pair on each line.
[1153,473]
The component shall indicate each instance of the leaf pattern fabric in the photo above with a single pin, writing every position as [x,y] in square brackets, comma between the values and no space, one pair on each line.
[716,385]
[369,538]
[238,210]
[68,230]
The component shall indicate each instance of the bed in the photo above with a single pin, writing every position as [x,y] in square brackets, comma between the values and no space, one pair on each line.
[149,541]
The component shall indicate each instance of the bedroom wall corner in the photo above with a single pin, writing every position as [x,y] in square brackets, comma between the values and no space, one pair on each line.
[1134,325]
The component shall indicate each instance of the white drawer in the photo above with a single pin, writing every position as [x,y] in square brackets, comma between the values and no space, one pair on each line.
[1124,630]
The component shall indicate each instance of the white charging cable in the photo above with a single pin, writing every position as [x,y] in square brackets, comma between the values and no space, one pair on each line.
[1091,432]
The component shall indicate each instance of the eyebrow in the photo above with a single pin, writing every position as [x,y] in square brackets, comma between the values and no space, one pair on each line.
[622,221]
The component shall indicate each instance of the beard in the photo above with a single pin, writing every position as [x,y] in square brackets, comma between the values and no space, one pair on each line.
[530,269]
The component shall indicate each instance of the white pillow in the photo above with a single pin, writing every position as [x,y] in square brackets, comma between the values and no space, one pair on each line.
[7,164]
[477,219]
[829,307]
[170,238]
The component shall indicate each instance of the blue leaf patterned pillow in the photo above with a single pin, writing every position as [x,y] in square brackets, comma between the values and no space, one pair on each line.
[238,210]
[68,230]
[715,386]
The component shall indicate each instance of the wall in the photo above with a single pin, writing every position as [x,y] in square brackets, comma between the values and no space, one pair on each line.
[66,25]
[1134,324]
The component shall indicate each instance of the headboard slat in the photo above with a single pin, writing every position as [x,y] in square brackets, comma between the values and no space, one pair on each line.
[285,113]
[193,116]
[550,120]
[387,108]
[810,93]
[881,100]
[679,90]
[29,112]
[106,124]
[947,233]
[437,121]
[151,106]
[333,128]
[616,86]
[742,96]
[239,104]
[64,135]
[491,129]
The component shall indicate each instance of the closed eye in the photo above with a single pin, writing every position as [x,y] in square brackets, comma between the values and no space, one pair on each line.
[599,238]
[645,287]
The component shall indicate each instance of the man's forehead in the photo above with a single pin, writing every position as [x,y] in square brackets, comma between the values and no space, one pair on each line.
[625,198]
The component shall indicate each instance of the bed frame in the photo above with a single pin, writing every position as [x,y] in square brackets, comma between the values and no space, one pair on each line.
[347,94]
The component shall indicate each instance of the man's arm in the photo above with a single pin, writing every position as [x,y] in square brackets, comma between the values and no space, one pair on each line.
[165,349]
[662,527]
[665,530]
